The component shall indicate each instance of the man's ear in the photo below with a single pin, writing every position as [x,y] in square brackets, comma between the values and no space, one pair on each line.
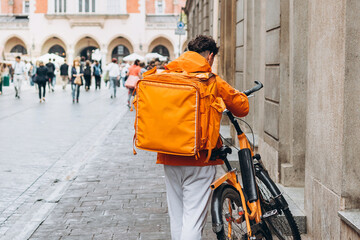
[210,58]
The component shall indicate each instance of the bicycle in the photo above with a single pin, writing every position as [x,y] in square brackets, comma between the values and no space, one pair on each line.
[256,211]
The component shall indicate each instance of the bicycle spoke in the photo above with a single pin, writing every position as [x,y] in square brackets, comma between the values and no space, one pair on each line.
[278,224]
[236,227]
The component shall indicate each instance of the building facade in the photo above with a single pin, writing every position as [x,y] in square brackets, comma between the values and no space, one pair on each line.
[73,28]
[306,119]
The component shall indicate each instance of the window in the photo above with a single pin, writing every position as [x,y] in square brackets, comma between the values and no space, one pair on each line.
[18,49]
[86,6]
[87,52]
[119,52]
[58,50]
[159,6]
[59,6]
[116,6]
[162,50]
[26,7]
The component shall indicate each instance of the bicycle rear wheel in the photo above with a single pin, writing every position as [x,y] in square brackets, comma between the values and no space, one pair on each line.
[283,225]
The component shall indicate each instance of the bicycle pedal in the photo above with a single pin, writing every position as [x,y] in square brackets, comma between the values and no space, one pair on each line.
[269,214]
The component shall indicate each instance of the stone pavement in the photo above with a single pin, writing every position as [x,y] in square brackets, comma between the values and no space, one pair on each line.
[114,196]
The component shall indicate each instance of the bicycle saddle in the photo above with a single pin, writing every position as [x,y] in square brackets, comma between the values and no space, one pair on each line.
[220,153]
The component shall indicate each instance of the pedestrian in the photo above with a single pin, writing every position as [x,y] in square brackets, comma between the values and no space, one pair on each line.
[56,71]
[64,73]
[77,74]
[133,76]
[41,79]
[6,74]
[87,75]
[27,72]
[188,179]
[97,72]
[50,74]
[124,72]
[2,69]
[151,65]
[32,73]
[11,72]
[143,69]
[19,74]
[114,75]
[82,62]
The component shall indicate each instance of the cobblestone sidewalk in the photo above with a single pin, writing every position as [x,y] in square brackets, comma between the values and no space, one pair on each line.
[115,196]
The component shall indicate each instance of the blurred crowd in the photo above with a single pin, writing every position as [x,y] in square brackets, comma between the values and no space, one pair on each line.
[81,73]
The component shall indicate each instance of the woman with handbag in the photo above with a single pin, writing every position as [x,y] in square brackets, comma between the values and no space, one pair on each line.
[76,79]
[41,79]
[134,76]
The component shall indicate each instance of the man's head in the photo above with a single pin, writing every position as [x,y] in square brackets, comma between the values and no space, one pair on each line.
[18,58]
[205,46]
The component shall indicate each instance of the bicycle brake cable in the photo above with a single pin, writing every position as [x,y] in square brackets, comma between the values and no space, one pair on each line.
[224,139]
[252,132]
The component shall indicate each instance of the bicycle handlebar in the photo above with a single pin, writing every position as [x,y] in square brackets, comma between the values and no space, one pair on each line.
[258,86]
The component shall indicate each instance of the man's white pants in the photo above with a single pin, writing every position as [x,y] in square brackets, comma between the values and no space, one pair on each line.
[188,196]
[18,82]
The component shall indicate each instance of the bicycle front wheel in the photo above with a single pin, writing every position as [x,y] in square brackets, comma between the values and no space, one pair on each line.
[234,225]
[282,225]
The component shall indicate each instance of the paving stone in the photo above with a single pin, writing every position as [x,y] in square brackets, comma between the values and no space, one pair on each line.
[115,196]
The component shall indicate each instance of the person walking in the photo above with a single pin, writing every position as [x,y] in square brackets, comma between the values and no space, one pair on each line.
[133,76]
[5,74]
[87,75]
[77,74]
[2,69]
[124,72]
[11,72]
[19,74]
[114,75]
[97,72]
[56,71]
[187,178]
[32,73]
[50,74]
[41,79]
[143,69]
[64,73]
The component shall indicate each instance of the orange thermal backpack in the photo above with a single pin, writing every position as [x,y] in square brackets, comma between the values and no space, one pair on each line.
[177,113]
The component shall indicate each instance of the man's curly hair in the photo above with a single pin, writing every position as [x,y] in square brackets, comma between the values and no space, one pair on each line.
[203,43]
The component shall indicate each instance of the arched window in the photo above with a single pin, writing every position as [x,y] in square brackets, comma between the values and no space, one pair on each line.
[58,50]
[162,50]
[19,49]
[119,52]
[87,52]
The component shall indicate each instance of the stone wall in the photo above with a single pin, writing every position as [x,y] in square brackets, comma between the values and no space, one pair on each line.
[307,116]
[333,131]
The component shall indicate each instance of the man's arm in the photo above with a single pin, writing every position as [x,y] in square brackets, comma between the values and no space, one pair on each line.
[235,101]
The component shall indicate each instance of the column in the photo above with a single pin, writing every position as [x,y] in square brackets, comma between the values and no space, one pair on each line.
[103,58]
[70,55]
[51,6]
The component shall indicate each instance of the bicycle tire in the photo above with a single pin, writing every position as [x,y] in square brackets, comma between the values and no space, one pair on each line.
[230,196]
[282,225]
